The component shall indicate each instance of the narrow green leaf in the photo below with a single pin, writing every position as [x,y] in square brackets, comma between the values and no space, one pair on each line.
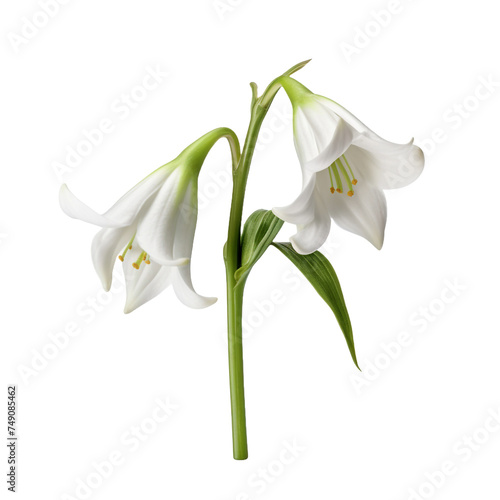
[320,273]
[258,233]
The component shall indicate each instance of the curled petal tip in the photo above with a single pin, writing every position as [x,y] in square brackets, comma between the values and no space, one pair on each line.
[128,309]
[209,301]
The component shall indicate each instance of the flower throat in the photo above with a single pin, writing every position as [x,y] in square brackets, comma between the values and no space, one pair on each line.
[143,257]
[337,170]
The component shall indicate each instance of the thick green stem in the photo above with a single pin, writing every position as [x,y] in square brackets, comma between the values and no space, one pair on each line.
[232,258]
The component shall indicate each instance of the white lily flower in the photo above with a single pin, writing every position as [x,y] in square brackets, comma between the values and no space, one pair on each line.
[151,229]
[345,168]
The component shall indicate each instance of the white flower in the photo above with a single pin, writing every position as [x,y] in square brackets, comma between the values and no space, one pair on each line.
[151,230]
[345,168]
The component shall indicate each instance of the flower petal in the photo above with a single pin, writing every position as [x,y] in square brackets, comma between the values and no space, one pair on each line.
[341,139]
[183,288]
[386,164]
[311,236]
[300,211]
[156,229]
[123,212]
[107,244]
[304,138]
[76,209]
[320,135]
[145,283]
[394,165]
[364,214]
[343,113]
[183,246]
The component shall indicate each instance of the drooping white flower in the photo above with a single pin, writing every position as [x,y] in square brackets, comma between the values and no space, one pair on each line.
[151,229]
[345,168]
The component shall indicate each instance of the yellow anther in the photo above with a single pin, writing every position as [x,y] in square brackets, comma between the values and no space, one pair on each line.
[139,261]
[148,262]
[349,167]
[336,171]
[127,248]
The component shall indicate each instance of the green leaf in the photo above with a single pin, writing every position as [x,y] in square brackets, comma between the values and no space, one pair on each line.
[258,233]
[320,273]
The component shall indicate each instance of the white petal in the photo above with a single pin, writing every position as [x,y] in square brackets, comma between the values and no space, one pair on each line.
[107,244]
[364,214]
[341,139]
[394,165]
[157,227]
[183,288]
[341,112]
[145,283]
[183,246]
[304,138]
[386,164]
[320,135]
[131,202]
[311,236]
[76,209]
[301,211]
[123,212]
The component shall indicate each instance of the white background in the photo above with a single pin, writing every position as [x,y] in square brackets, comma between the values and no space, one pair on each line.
[377,435]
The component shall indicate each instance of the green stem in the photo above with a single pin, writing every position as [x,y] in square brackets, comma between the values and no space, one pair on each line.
[232,259]
[232,256]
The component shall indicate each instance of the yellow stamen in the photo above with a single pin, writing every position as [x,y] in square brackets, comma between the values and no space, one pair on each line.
[338,182]
[139,261]
[337,168]
[127,248]
[344,173]
[332,189]
[354,180]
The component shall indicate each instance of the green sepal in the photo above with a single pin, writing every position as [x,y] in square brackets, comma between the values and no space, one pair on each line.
[258,233]
[320,273]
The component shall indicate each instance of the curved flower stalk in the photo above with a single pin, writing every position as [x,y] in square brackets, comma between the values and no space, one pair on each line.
[345,168]
[151,228]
